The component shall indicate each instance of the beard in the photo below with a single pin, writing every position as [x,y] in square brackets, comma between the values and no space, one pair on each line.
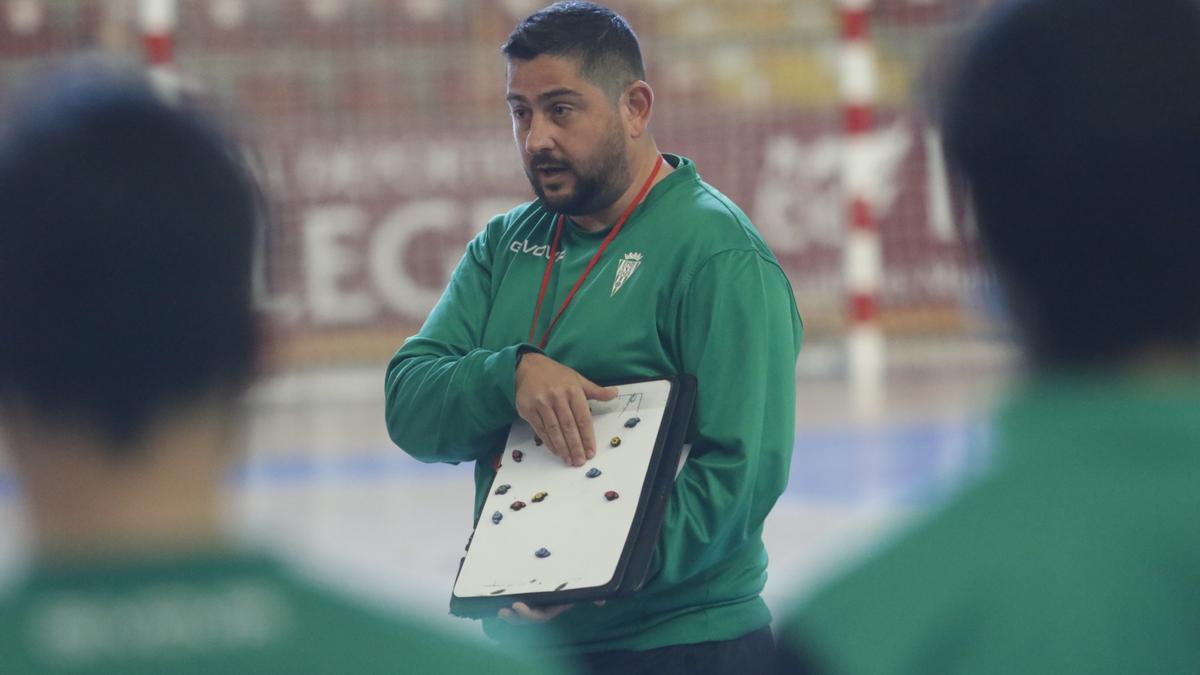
[599,181]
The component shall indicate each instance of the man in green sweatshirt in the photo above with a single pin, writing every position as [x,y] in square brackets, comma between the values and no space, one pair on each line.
[1076,124]
[126,337]
[627,264]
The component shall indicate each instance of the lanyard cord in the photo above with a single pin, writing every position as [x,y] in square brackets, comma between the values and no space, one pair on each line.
[558,228]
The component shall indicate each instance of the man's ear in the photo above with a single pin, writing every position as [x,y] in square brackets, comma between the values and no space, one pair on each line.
[636,105]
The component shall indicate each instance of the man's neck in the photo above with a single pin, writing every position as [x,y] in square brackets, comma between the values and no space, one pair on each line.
[163,498]
[644,163]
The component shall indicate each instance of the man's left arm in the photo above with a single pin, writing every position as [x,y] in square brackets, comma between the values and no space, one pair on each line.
[739,332]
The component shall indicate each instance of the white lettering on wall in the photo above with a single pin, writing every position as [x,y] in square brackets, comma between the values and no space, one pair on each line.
[799,201]
[391,277]
[329,256]
[353,270]
[361,168]
[937,188]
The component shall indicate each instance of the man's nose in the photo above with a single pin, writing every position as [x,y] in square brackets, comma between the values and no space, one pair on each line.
[540,137]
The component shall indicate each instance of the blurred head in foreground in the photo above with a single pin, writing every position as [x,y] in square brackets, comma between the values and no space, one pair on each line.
[1076,124]
[126,337]
[126,330]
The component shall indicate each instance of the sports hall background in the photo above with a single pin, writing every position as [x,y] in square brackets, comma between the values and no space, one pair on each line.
[380,132]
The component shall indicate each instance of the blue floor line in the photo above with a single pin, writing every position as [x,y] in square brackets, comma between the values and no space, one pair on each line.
[901,463]
[8,486]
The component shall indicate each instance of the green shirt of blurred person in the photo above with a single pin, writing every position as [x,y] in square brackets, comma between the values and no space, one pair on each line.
[1078,553]
[1075,126]
[686,286]
[126,337]
[214,612]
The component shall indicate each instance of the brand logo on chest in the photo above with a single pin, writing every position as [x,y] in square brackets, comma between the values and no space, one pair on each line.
[628,266]
[539,250]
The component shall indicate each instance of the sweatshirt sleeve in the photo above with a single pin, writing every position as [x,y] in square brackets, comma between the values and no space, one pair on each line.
[443,392]
[740,334]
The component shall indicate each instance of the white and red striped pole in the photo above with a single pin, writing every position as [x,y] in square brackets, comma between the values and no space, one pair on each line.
[862,255]
[156,19]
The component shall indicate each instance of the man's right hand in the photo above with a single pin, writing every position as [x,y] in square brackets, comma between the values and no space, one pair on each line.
[553,399]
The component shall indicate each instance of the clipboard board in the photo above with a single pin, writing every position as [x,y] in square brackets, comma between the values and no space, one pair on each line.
[553,534]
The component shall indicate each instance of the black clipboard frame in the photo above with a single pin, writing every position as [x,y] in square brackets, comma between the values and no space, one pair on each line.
[633,567]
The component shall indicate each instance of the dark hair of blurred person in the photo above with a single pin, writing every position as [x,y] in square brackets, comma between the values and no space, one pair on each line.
[125,251]
[1075,125]
[126,337]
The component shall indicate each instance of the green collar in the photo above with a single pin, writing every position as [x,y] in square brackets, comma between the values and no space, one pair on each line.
[110,570]
[1091,418]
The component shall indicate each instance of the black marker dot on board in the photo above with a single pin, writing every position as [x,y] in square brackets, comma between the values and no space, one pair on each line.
[632,422]
[518,455]
[561,586]
[537,440]
[499,591]
[542,553]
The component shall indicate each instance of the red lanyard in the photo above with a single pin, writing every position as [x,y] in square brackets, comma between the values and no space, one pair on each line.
[558,228]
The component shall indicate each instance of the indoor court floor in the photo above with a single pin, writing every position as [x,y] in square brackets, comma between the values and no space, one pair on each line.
[323,485]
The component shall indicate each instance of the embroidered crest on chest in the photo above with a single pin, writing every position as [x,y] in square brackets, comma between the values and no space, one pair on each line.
[628,266]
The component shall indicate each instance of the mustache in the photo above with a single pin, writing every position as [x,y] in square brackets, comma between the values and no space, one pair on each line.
[547,162]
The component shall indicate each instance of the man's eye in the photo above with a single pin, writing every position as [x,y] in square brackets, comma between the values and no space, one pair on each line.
[519,113]
[560,110]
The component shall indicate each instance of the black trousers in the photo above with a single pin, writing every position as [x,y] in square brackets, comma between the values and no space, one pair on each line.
[750,654]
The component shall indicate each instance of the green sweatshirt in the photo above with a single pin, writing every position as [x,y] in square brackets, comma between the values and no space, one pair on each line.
[1079,553]
[216,613]
[707,297]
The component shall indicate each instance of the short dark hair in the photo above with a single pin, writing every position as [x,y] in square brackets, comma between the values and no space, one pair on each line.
[127,228]
[598,38]
[1076,125]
